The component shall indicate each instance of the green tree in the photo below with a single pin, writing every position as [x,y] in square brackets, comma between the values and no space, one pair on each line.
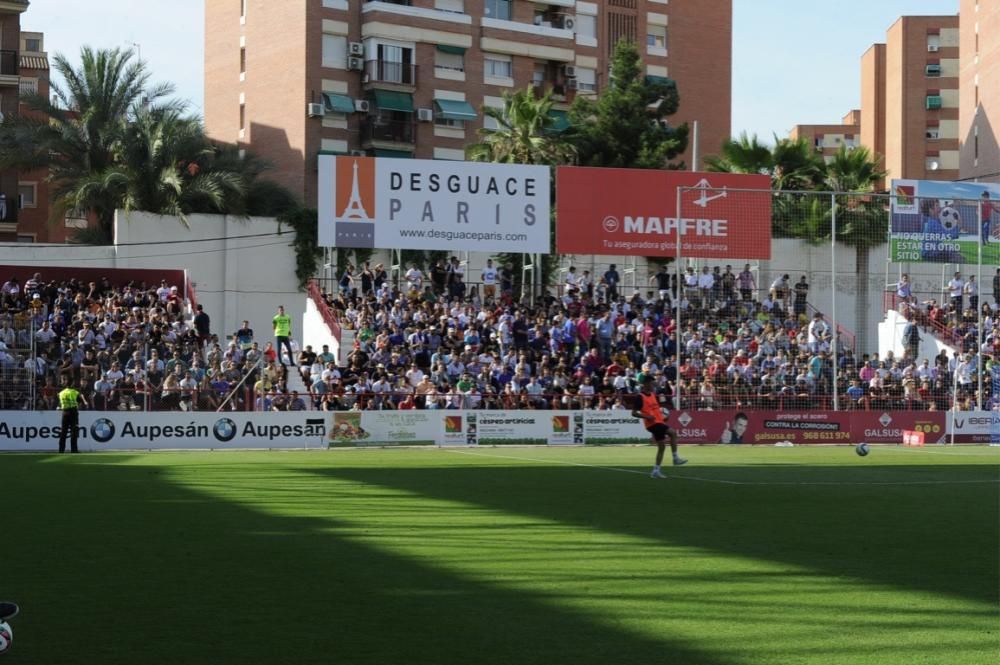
[111,141]
[861,218]
[525,133]
[627,126]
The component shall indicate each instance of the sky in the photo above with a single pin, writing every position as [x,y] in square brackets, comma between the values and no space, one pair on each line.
[794,61]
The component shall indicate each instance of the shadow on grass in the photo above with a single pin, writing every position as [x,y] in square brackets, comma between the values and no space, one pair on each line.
[941,538]
[115,563]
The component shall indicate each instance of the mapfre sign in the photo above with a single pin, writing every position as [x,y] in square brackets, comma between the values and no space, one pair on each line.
[368,202]
[633,212]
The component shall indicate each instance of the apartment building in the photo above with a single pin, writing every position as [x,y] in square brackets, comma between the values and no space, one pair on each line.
[919,64]
[979,97]
[828,139]
[10,82]
[408,78]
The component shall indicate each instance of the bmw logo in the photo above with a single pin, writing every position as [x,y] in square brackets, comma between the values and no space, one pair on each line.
[224,430]
[103,430]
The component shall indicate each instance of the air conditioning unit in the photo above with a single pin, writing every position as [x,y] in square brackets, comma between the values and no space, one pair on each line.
[425,115]
[358,153]
[569,71]
[571,84]
[362,106]
[569,22]
[315,110]
[932,48]
[356,48]
[538,19]
[355,64]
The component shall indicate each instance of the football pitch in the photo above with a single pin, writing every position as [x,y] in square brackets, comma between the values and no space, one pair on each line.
[511,555]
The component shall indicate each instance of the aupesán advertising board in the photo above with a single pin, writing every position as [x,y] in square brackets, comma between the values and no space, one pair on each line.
[369,202]
[113,430]
[129,430]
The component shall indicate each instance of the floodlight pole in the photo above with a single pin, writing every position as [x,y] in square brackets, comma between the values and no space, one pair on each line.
[833,306]
[677,303]
[980,365]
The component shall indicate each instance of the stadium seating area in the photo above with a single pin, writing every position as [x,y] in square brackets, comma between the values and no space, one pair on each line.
[133,346]
[127,346]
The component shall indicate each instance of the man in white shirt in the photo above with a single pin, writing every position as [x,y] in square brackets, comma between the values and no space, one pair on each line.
[971,289]
[489,277]
[955,289]
[706,280]
[414,278]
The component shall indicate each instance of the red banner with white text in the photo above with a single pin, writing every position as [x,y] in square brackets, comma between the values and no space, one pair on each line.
[634,212]
[802,427]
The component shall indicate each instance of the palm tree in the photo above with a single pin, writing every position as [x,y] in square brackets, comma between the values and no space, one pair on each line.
[111,141]
[861,218]
[524,133]
[74,135]
[793,165]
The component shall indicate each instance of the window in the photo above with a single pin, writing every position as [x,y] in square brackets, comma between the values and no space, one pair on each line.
[656,36]
[33,45]
[452,61]
[932,132]
[932,163]
[490,122]
[539,74]
[243,10]
[933,102]
[586,26]
[243,60]
[499,9]
[335,51]
[933,43]
[455,6]
[449,122]
[243,117]
[497,66]
[395,64]
[932,71]
[586,80]
[27,192]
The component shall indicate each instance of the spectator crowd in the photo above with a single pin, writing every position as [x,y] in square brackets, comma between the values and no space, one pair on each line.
[436,341]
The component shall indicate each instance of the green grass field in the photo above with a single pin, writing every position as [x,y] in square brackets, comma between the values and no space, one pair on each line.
[503,555]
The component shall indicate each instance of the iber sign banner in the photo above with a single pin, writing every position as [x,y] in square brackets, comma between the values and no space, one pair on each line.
[634,212]
[378,203]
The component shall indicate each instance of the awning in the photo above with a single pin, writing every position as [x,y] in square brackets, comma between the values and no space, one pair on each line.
[398,154]
[657,80]
[34,62]
[335,103]
[456,50]
[560,121]
[390,100]
[451,109]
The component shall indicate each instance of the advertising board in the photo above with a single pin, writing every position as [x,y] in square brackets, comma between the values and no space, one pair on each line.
[369,202]
[634,212]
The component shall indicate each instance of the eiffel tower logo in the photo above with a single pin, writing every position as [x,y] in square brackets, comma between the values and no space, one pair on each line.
[355,208]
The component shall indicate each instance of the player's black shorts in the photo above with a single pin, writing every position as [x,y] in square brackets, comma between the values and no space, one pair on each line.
[659,431]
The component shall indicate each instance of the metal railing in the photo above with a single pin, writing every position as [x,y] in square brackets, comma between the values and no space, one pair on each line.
[393,131]
[387,71]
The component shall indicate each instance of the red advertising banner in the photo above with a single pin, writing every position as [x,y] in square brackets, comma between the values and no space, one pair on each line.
[802,427]
[634,212]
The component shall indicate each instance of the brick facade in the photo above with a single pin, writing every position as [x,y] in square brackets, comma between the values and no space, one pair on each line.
[285,69]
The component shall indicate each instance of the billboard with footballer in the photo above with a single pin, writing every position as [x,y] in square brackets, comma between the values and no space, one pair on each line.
[634,212]
[369,202]
[945,222]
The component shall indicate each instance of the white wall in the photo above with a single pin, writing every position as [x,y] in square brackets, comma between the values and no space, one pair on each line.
[890,338]
[316,333]
[234,279]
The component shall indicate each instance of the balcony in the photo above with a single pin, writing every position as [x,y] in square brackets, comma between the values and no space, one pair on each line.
[385,72]
[389,133]
[28,87]
[9,68]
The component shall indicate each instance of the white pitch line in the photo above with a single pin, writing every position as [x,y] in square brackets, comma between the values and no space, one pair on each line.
[729,482]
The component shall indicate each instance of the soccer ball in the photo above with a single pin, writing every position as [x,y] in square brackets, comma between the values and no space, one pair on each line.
[862,449]
[950,219]
[6,637]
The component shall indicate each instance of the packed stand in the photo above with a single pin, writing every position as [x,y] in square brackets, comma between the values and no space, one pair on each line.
[440,343]
[125,347]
